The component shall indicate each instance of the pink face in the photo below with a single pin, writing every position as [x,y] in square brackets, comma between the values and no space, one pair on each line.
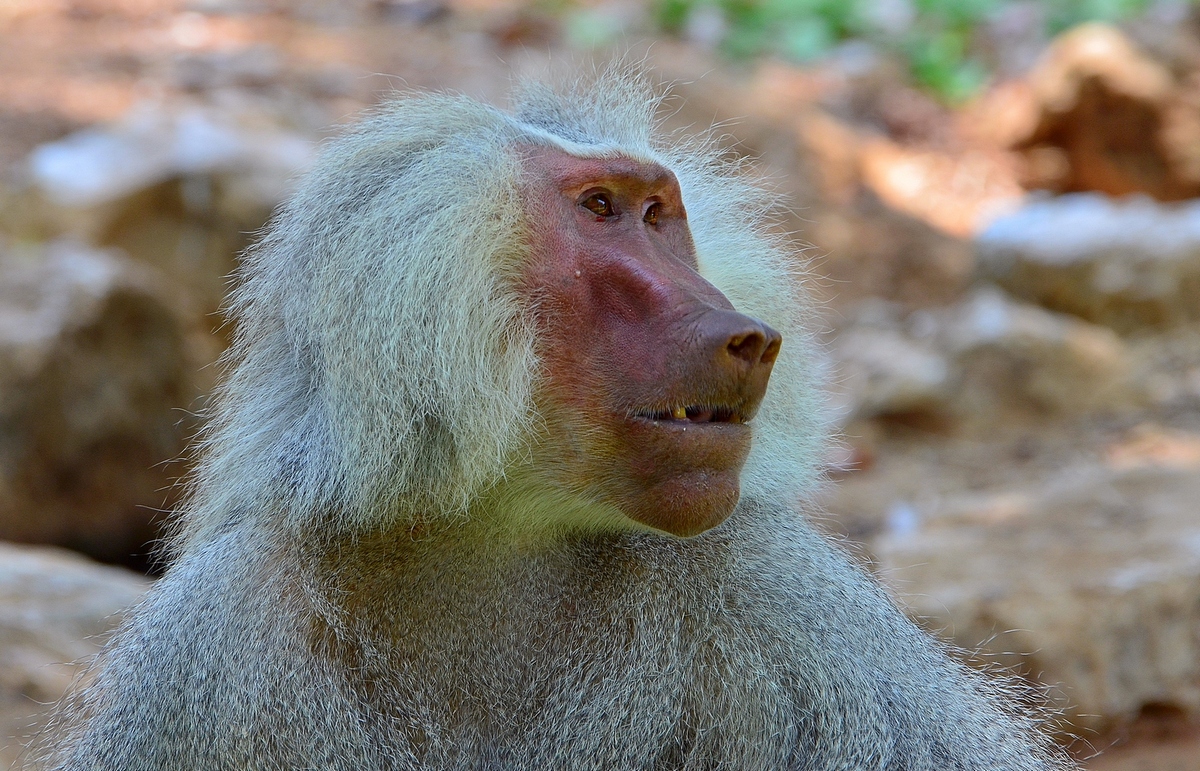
[651,375]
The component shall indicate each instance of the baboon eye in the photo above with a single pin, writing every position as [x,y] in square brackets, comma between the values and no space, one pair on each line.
[651,215]
[600,204]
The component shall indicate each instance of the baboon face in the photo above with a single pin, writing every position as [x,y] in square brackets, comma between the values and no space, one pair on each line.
[650,375]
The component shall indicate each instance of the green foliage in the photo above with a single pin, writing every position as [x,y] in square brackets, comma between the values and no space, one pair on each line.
[800,30]
[940,61]
[937,38]
[1067,13]
[938,46]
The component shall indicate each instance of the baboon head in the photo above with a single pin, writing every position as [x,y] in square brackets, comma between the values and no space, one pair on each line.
[550,316]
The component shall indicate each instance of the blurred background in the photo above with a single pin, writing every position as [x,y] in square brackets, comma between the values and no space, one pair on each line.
[993,198]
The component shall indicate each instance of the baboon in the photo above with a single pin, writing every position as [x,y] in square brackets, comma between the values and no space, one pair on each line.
[497,480]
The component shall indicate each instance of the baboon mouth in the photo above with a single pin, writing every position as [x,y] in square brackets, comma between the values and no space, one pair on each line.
[695,413]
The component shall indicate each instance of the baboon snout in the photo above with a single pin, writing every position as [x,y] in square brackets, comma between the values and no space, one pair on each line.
[742,348]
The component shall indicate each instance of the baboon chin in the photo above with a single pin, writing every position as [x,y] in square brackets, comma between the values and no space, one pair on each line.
[508,471]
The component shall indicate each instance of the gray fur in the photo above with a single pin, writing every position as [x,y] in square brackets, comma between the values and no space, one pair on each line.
[360,579]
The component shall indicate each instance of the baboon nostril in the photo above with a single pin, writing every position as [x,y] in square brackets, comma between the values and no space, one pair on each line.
[771,353]
[747,346]
[740,346]
[757,346]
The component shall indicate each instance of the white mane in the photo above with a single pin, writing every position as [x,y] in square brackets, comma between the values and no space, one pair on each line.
[378,336]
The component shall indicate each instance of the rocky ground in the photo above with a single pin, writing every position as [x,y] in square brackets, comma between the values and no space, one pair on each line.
[1010,294]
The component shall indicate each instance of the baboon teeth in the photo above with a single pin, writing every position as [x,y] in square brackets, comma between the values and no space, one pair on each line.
[696,414]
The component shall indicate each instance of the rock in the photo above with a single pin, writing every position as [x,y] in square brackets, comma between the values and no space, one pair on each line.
[1088,582]
[257,66]
[413,11]
[1163,745]
[892,221]
[983,360]
[1097,114]
[94,370]
[870,250]
[56,609]
[179,188]
[1128,264]
[1167,369]
[882,371]
[958,193]
[1029,359]
[154,143]
[874,237]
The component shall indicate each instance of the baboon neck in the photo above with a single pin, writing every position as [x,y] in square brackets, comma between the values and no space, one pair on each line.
[410,579]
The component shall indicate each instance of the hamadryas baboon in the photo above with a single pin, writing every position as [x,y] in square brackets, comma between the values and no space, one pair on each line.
[496,481]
